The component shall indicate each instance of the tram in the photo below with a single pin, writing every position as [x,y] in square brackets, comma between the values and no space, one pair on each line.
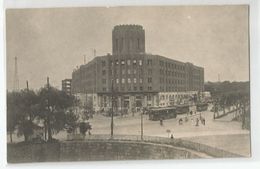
[162,113]
[201,107]
[181,109]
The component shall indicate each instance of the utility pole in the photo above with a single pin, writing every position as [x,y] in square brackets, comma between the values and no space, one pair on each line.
[94,52]
[27,89]
[16,78]
[27,86]
[142,129]
[49,111]
[112,113]
[84,59]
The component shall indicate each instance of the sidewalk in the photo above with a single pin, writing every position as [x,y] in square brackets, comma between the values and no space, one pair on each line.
[235,143]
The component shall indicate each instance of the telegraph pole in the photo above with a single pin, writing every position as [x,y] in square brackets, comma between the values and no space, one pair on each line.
[27,86]
[112,113]
[142,129]
[48,113]
[16,78]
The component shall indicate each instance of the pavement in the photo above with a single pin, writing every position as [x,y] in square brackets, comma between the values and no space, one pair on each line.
[222,133]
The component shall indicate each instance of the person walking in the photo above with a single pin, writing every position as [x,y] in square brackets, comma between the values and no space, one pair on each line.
[161,122]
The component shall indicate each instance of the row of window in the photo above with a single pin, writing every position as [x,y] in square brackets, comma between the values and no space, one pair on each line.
[172,73]
[172,81]
[135,88]
[129,80]
[166,97]
[128,62]
[127,71]
[171,65]
[171,88]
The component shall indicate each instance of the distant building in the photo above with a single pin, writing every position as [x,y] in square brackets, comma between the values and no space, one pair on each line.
[66,86]
[137,79]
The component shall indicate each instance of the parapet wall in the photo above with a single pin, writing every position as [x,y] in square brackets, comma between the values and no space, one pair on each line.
[94,150]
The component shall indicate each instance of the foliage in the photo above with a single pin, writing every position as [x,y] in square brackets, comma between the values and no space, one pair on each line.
[71,121]
[84,127]
[26,108]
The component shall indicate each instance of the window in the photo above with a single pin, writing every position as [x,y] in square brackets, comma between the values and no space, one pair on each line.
[135,88]
[134,62]
[103,72]
[140,80]
[134,71]
[128,62]
[122,62]
[150,71]
[104,89]
[149,80]
[123,71]
[141,88]
[117,62]
[104,81]
[134,80]
[129,71]
[117,81]
[128,80]
[149,97]
[149,88]
[123,80]
[116,44]
[103,63]
[140,62]
[149,62]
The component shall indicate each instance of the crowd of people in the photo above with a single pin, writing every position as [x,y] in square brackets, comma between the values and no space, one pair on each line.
[193,117]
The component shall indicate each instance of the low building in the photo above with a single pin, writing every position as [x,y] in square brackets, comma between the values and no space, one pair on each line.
[134,78]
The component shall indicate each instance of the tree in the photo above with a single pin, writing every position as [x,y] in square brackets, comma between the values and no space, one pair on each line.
[54,104]
[21,112]
[84,127]
[11,112]
[71,121]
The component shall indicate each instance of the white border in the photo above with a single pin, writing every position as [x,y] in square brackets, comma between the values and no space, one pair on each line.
[237,163]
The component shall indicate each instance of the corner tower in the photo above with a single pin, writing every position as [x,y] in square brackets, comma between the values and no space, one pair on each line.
[128,39]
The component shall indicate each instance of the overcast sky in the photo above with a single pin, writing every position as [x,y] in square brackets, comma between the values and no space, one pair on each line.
[52,42]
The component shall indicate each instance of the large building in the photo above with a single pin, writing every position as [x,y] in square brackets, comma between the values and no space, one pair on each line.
[134,78]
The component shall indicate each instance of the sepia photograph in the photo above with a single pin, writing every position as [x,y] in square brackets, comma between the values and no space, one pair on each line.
[127,83]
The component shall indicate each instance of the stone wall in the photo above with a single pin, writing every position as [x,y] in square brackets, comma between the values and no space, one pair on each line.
[94,150]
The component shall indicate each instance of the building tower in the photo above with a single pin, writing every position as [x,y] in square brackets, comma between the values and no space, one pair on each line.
[16,79]
[128,39]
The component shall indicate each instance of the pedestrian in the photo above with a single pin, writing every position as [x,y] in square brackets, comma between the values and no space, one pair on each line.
[186,119]
[180,121]
[203,121]
[197,121]
[171,136]
[161,122]
[190,112]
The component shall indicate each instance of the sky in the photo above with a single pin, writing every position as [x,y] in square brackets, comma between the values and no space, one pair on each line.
[53,41]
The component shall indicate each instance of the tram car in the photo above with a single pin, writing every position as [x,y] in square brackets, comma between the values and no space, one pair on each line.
[162,113]
[201,107]
[182,109]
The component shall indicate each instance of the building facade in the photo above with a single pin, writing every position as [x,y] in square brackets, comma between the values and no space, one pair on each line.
[66,86]
[135,79]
